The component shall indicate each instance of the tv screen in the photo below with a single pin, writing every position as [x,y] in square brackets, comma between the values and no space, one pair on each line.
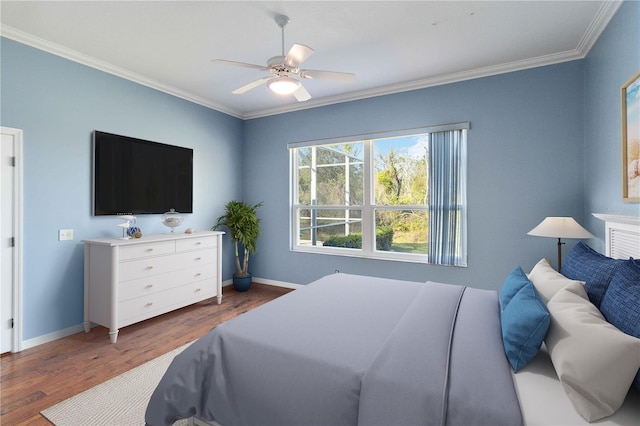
[135,176]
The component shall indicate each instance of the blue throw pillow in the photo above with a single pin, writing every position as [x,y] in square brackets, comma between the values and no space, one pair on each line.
[621,304]
[512,285]
[525,321]
[595,269]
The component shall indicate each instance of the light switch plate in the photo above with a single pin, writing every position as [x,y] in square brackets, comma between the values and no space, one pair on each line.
[65,234]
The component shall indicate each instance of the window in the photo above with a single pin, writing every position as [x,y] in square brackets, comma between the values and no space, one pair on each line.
[398,196]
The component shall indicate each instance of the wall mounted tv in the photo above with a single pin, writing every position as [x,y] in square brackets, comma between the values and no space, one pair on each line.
[135,176]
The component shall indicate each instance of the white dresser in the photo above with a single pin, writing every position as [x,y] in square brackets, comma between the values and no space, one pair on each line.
[128,281]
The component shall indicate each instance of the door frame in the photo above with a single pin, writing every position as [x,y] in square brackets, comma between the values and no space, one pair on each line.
[17,135]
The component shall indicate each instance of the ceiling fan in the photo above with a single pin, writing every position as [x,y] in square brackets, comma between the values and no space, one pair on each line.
[282,68]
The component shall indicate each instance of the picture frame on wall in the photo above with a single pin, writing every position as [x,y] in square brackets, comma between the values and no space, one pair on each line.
[630,97]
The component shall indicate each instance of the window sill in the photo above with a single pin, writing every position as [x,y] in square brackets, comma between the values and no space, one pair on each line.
[392,256]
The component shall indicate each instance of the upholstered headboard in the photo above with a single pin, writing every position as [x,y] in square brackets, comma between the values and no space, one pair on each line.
[622,235]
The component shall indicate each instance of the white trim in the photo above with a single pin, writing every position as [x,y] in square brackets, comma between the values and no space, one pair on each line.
[463,125]
[18,138]
[72,55]
[599,23]
[617,218]
[50,337]
[277,283]
[55,335]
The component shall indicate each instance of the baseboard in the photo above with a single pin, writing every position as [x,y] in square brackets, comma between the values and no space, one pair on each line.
[276,283]
[50,337]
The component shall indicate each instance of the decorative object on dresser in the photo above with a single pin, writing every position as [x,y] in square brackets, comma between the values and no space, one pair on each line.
[172,219]
[127,281]
[243,224]
[126,225]
[560,227]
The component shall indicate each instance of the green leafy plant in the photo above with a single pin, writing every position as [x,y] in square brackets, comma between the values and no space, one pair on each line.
[242,222]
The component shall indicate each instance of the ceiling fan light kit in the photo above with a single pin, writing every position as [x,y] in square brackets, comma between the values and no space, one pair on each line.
[282,67]
[283,85]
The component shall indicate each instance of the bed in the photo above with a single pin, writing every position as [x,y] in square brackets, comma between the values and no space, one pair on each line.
[311,358]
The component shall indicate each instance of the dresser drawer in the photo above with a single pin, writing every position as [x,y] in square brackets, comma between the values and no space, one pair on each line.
[196,243]
[136,251]
[141,268]
[140,308]
[161,282]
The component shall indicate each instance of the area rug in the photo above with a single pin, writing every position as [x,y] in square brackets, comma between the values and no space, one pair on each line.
[120,401]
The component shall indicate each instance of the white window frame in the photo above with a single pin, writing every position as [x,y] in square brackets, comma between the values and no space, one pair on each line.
[368,208]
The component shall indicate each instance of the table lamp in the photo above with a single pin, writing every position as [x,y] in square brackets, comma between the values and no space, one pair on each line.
[560,227]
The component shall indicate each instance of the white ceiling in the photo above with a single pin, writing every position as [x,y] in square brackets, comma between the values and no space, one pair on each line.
[391,46]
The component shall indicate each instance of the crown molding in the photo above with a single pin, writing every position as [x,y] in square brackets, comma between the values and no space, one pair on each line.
[81,58]
[599,23]
[603,16]
[423,83]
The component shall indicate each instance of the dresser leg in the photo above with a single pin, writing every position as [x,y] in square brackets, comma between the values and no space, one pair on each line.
[113,335]
[87,326]
[219,299]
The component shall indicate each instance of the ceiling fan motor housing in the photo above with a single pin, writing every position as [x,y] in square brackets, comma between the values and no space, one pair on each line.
[276,66]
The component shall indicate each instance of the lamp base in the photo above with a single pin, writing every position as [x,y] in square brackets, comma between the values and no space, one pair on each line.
[560,243]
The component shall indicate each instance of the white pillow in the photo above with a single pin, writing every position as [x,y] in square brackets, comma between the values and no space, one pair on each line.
[548,281]
[595,361]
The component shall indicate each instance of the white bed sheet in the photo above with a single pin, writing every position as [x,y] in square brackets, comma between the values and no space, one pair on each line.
[544,402]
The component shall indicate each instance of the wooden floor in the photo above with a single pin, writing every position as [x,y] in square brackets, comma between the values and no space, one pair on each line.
[40,377]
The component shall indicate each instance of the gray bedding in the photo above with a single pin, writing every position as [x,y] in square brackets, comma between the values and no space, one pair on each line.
[348,350]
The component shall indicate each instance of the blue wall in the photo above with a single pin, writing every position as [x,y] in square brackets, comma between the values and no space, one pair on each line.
[58,103]
[612,61]
[543,142]
[525,163]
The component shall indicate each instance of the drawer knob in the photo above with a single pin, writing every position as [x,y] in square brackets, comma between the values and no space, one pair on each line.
[197,289]
[149,303]
[149,285]
[198,243]
[198,274]
[150,249]
[198,258]
[150,267]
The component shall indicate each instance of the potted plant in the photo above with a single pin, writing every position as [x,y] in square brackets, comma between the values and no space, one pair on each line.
[242,222]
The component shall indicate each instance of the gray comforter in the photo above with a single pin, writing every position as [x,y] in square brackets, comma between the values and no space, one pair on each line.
[348,350]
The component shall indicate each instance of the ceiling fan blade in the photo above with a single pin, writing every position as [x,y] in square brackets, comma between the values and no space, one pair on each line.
[328,75]
[301,94]
[251,85]
[297,55]
[240,64]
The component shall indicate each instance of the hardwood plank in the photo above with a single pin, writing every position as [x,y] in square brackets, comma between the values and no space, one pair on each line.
[40,377]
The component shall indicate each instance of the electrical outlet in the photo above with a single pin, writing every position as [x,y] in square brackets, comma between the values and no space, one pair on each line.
[65,234]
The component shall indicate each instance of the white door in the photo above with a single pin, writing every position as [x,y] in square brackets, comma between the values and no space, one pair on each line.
[10,218]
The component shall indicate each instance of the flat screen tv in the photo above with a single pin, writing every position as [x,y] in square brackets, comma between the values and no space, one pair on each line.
[135,176]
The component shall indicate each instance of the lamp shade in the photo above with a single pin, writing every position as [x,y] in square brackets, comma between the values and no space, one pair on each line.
[560,227]
[283,85]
